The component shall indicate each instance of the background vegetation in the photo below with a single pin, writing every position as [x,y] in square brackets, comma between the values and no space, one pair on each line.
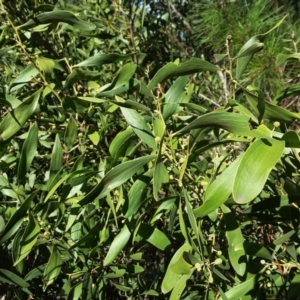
[149,150]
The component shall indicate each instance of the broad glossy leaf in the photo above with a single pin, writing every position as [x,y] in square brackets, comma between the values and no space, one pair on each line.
[219,190]
[154,236]
[240,290]
[232,122]
[28,151]
[234,237]
[117,245]
[12,278]
[57,16]
[171,278]
[16,219]
[28,239]
[71,133]
[136,194]
[254,169]
[15,120]
[53,267]
[99,59]
[195,65]
[139,125]
[115,178]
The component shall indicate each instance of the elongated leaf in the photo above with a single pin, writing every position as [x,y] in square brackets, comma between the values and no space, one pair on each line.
[136,194]
[16,219]
[28,151]
[219,190]
[28,239]
[254,249]
[115,178]
[122,78]
[99,59]
[154,236]
[170,70]
[171,278]
[272,111]
[15,120]
[254,169]
[139,126]
[174,96]
[234,236]
[12,278]
[24,77]
[232,122]
[160,176]
[282,58]
[57,16]
[241,289]
[56,159]
[119,144]
[180,286]
[117,245]
[71,133]
[53,267]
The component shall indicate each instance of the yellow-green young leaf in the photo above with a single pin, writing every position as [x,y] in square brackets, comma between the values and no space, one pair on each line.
[139,125]
[234,237]
[219,190]
[53,267]
[75,292]
[28,239]
[48,65]
[170,70]
[28,151]
[115,178]
[117,245]
[159,127]
[15,120]
[254,168]
[171,278]
[71,133]
[16,219]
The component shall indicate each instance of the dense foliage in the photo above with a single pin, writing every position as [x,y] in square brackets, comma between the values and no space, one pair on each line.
[147,151]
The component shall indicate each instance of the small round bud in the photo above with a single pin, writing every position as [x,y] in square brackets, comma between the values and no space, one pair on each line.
[269,284]
[182,160]
[157,139]
[263,262]
[219,252]
[198,267]
[218,261]
[276,124]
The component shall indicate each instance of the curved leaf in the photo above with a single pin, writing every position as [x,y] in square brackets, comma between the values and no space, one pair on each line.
[254,169]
